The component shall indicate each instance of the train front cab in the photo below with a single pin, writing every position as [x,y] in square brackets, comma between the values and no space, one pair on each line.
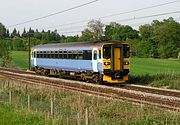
[116,62]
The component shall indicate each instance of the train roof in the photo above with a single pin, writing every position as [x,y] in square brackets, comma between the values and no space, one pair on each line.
[87,44]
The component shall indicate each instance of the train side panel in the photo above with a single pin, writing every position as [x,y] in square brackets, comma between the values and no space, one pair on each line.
[65,64]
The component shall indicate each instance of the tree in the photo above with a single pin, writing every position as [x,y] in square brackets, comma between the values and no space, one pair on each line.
[72,38]
[87,35]
[163,36]
[115,31]
[5,60]
[38,35]
[2,31]
[111,31]
[7,34]
[18,34]
[56,35]
[24,34]
[145,31]
[14,33]
[31,30]
[93,32]
[45,36]
[179,56]
[167,37]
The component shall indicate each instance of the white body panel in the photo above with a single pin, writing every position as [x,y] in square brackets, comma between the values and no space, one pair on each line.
[95,59]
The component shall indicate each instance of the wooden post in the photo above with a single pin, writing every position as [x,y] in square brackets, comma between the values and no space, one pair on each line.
[29,103]
[52,106]
[26,89]
[86,113]
[8,84]
[67,121]
[10,97]
[78,119]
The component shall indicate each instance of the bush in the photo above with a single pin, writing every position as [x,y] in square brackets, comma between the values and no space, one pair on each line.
[168,80]
[5,59]
[6,62]
[179,55]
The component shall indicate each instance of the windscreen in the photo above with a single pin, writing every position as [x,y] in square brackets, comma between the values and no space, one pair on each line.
[107,51]
[126,51]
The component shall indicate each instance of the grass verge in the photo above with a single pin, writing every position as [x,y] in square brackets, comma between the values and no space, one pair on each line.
[142,66]
[9,115]
[165,80]
[70,107]
[20,59]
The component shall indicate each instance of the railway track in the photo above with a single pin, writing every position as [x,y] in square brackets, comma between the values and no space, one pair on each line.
[169,99]
[147,89]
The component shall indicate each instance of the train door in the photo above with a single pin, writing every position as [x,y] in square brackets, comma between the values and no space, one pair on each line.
[34,58]
[95,59]
[118,59]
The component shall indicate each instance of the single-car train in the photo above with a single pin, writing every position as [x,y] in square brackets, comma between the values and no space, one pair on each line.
[105,61]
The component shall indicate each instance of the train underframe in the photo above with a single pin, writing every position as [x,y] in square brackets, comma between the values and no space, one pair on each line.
[84,76]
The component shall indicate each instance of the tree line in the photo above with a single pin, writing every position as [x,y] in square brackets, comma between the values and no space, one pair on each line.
[160,39]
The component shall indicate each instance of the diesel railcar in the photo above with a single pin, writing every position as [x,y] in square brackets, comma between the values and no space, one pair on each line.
[105,61]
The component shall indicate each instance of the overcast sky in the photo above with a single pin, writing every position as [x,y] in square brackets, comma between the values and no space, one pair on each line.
[17,11]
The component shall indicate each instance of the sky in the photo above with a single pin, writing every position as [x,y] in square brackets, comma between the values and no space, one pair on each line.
[17,11]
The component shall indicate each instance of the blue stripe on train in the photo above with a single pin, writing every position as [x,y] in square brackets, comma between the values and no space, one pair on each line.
[67,64]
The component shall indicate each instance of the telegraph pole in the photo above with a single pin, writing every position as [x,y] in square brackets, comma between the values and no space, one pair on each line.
[29,50]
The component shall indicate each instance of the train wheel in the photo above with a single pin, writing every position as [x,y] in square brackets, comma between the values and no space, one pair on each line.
[97,78]
[83,77]
[100,79]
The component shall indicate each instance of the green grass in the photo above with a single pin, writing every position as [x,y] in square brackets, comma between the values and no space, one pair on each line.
[20,59]
[68,105]
[141,66]
[9,115]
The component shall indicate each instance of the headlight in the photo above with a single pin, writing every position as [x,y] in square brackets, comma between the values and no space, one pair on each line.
[107,63]
[126,63]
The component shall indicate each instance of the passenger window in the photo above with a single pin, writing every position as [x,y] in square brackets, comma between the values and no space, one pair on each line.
[60,54]
[48,54]
[95,55]
[87,55]
[52,54]
[75,54]
[40,54]
[80,56]
[44,54]
[69,54]
[37,54]
[65,54]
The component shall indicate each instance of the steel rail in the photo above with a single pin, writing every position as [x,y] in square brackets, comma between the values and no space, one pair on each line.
[148,89]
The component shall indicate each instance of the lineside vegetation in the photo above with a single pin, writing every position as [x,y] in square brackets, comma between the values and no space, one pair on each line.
[11,115]
[76,108]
